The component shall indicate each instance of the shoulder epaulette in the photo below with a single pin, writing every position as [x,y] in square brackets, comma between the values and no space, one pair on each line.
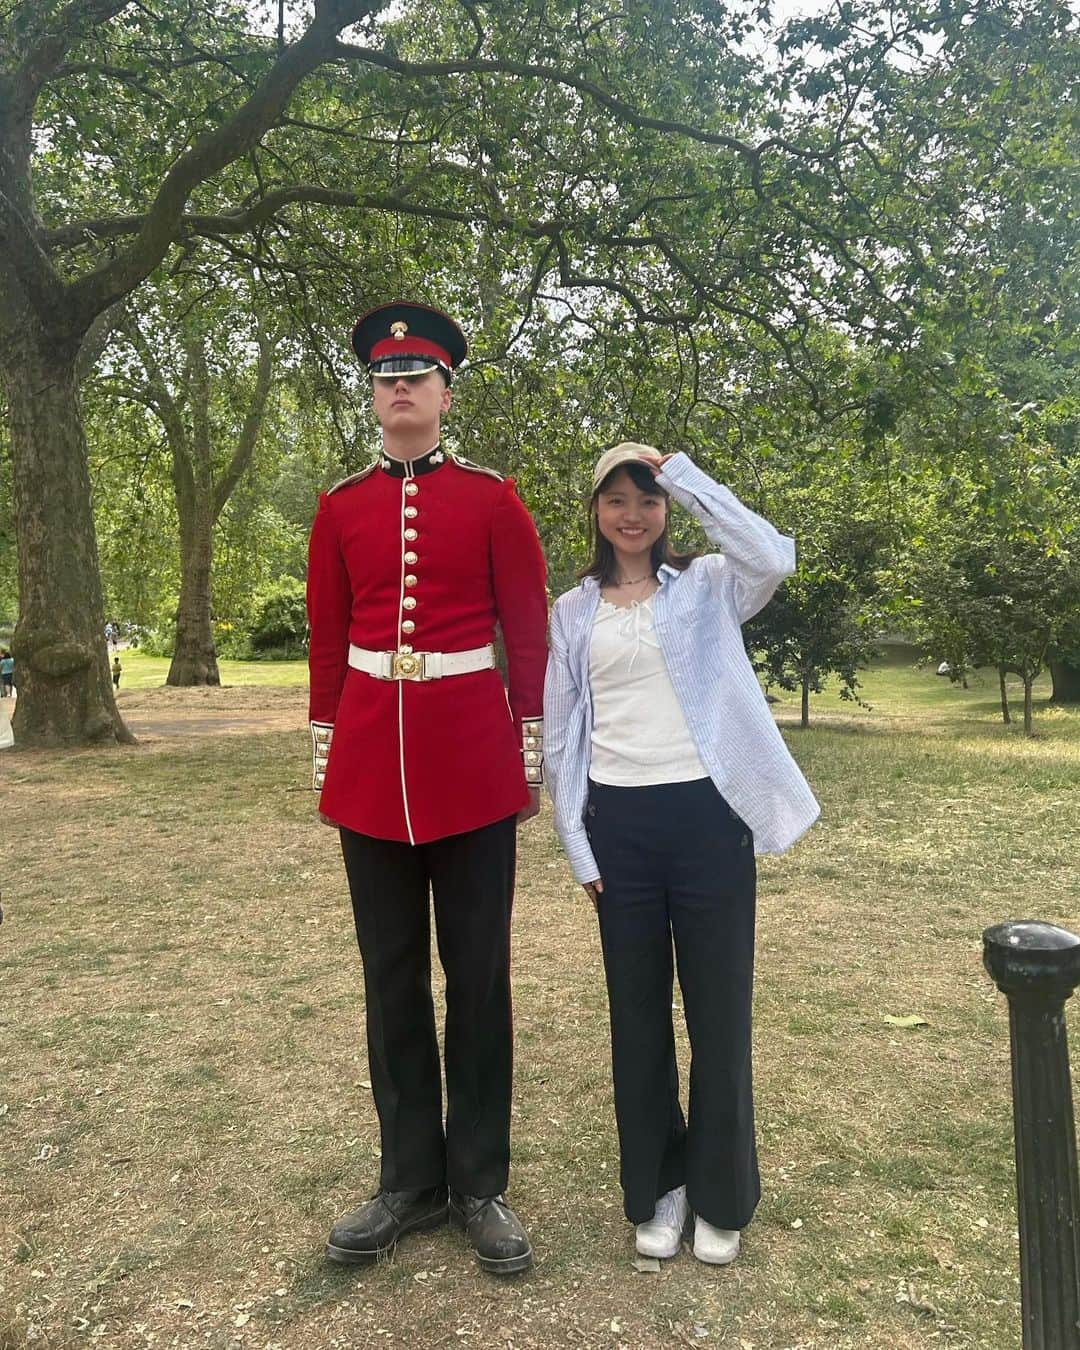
[477,468]
[354,477]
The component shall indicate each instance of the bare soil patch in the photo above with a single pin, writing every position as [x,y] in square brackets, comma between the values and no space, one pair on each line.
[168,715]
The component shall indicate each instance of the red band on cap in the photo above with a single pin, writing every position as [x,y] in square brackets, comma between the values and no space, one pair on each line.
[409,346]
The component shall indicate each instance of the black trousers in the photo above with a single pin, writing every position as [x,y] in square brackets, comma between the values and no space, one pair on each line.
[676,862]
[471,878]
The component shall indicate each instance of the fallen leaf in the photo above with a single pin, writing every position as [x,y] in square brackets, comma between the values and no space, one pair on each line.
[910,1297]
[647,1265]
[911,1020]
[241,1319]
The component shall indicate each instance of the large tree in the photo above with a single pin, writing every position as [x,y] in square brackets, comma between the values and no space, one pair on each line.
[58,274]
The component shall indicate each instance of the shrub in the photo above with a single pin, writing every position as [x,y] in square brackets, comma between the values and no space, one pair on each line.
[280,622]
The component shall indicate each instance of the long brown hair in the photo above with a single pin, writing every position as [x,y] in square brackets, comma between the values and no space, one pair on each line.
[602,566]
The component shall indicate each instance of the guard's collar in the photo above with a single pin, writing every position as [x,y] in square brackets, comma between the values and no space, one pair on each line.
[412,468]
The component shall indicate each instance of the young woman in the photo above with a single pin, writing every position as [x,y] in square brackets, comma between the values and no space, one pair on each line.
[667,772]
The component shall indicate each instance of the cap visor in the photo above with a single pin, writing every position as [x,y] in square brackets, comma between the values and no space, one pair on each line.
[390,366]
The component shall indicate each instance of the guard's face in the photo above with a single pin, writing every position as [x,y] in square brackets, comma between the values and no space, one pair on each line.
[410,402]
[631,520]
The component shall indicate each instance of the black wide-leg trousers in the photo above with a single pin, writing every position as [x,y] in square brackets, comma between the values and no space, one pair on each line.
[677,863]
[471,880]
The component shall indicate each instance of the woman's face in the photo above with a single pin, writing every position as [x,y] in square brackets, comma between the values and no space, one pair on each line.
[629,519]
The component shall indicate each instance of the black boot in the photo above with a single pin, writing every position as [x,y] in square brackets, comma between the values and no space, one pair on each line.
[370,1232]
[494,1232]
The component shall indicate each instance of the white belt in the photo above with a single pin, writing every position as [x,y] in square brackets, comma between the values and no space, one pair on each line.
[420,665]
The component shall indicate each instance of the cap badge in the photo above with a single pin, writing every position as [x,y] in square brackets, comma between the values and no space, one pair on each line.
[399,329]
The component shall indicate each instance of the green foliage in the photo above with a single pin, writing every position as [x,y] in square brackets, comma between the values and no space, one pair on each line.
[824,620]
[159,637]
[992,588]
[280,619]
[840,290]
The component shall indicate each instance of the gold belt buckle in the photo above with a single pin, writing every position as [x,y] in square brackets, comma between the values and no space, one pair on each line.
[406,666]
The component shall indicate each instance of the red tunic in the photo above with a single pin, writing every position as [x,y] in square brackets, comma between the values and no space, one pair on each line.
[411,760]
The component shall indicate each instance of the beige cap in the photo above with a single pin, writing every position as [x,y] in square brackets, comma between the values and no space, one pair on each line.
[623,453]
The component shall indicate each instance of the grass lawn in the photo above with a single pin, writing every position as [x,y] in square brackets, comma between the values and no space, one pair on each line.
[184,1100]
[148,672]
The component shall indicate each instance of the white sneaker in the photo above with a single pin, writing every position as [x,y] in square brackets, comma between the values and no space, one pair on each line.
[662,1234]
[715,1246]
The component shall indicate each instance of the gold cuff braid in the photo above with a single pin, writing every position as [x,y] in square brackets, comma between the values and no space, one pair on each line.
[322,733]
[532,750]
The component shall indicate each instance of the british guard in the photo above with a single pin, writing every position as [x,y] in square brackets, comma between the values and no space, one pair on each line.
[425,762]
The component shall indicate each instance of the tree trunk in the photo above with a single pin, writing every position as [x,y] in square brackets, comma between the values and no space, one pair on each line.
[1029,680]
[194,654]
[1066,681]
[805,704]
[186,418]
[61,660]
[1005,716]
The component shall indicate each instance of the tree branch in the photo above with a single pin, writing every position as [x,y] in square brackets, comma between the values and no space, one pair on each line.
[249,432]
[198,405]
[97,339]
[211,153]
[118,73]
[156,390]
[240,222]
[31,264]
[45,55]
[552,75]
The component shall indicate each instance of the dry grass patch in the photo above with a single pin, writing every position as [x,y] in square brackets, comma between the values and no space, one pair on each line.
[184,1100]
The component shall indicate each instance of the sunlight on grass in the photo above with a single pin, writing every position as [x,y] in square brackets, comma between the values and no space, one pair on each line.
[148,672]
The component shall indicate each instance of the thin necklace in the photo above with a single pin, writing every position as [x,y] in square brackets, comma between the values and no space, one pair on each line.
[635,581]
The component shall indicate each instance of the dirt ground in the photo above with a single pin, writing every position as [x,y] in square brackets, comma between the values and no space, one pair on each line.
[164,716]
[185,1099]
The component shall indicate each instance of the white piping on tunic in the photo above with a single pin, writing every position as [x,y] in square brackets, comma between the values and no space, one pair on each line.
[409,474]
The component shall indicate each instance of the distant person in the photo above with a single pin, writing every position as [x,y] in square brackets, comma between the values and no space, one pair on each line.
[117,671]
[7,674]
[668,773]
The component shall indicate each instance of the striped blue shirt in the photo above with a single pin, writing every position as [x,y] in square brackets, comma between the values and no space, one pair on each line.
[698,615]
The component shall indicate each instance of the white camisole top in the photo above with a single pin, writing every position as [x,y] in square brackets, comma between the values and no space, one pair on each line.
[639,734]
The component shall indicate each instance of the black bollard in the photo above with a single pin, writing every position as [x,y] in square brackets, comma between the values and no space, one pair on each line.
[1037,966]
